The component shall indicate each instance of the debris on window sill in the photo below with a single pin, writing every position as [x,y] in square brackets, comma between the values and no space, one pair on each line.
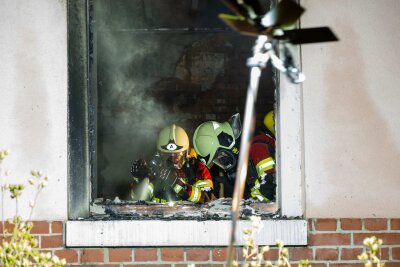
[219,209]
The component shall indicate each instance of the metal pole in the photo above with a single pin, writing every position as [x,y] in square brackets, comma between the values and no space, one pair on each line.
[257,62]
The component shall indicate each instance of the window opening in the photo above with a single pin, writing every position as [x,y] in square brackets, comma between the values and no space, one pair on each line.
[148,70]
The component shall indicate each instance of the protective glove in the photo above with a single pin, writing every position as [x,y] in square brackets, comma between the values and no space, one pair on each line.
[267,178]
[139,170]
[179,185]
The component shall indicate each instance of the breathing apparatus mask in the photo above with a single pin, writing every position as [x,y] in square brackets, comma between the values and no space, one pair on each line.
[217,143]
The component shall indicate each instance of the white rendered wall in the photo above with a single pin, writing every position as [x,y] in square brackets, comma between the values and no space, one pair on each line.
[33,99]
[351,105]
[351,109]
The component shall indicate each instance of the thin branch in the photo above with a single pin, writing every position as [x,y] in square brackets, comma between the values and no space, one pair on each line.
[16,206]
[39,189]
[2,200]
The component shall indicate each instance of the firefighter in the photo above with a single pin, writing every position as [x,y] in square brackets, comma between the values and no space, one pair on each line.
[219,144]
[174,173]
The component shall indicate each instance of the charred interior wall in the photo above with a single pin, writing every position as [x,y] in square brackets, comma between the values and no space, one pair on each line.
[162,62]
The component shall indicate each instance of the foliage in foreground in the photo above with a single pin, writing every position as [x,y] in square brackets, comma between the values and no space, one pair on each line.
[19,247]
[254,255]
[371,254]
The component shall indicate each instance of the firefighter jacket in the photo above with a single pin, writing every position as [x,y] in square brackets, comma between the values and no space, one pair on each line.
[260,182]
[192,183]
[261,172]
[195,182]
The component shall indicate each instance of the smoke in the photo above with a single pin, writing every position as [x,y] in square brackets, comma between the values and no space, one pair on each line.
[129,118]
[151,72]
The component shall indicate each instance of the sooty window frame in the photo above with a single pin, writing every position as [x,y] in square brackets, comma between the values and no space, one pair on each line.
[78,97]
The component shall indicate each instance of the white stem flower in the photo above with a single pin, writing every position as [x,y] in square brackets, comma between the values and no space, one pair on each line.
[367,241]
[22,249]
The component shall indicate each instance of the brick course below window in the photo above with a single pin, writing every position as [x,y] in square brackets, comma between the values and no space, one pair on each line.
[332,243]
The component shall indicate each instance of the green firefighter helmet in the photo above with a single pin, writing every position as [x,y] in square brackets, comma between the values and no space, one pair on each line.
[173,145]
[213,141]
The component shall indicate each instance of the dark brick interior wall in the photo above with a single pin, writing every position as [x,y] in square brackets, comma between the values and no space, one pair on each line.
[162,62]
[211,81]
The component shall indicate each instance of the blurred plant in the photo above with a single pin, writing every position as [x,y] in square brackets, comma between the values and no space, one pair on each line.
[371,254]
[19,247]
[254,255]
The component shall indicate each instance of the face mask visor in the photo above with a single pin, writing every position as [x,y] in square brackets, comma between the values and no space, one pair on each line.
[175,160]
[225,159]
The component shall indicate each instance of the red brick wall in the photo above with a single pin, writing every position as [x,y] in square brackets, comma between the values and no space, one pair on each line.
[331,243]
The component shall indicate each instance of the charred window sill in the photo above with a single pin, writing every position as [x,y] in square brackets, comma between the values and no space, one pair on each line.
[219,209]
[148,224]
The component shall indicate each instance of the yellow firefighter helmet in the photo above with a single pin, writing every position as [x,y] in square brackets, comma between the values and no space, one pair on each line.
[269,121]
[173,145]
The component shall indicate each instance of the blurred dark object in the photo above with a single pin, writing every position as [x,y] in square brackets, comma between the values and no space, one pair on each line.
[139,169]
[155,165]
[168,175]
[251,19]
